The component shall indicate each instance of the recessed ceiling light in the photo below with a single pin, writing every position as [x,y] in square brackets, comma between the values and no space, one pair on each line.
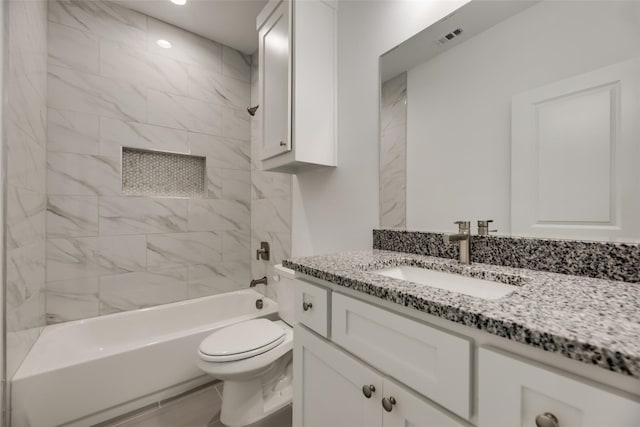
[164,43]
[179,2]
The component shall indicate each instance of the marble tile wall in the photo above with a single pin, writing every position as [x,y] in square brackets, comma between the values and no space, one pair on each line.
[111,85]
[393,152]
[26,183]
[270,203]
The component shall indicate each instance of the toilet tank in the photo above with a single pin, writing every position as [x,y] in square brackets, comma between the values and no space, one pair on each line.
[284,280]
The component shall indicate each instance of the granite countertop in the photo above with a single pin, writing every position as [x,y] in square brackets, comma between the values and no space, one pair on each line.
[594,321]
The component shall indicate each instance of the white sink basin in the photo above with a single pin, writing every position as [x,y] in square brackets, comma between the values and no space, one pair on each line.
[479,288]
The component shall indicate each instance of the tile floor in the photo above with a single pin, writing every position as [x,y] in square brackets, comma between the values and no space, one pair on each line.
[198,409]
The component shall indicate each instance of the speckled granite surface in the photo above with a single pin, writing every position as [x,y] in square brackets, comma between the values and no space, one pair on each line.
[603,260]
[594,321]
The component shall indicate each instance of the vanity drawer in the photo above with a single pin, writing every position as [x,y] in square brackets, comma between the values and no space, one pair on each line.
[312,307]
[432,362]
[514,392]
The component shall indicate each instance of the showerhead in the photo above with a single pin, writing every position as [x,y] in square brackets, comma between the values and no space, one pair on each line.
[252,110]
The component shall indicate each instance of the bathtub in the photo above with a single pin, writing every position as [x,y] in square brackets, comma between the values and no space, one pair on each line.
[87,371]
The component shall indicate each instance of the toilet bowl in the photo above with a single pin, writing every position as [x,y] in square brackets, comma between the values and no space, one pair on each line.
[254,359]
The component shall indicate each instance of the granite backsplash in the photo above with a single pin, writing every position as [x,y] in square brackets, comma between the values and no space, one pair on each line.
[602,260]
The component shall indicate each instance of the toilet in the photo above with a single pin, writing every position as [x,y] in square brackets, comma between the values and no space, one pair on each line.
[254,359]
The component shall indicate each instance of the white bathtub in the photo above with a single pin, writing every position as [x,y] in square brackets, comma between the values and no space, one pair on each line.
[87,371]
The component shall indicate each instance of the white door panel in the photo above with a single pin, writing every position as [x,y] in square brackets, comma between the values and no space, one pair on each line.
[574,156]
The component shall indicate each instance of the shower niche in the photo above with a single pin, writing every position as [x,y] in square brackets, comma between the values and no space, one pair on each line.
[162,174]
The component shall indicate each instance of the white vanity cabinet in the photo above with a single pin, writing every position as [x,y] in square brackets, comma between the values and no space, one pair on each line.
[335,389]
[297,84]
[514,392]
[437,373]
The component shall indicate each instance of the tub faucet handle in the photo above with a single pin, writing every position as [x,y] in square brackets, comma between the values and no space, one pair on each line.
[263,251]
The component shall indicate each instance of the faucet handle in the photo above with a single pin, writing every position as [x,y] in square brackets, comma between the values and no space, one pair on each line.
[463,226]
[483,227]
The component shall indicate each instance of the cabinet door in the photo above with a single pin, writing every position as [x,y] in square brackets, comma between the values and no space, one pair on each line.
[513,393]
[412,410]
[275,82]
[435,363]
[312,307]
[329,384]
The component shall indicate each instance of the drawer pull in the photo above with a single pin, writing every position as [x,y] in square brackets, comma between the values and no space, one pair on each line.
[306,306]
[368,390]
[387,403]
[547,420]
[283,144]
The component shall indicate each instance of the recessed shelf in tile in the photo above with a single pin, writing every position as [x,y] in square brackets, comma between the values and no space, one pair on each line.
[157,173]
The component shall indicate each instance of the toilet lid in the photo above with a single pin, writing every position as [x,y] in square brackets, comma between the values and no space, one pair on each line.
[242,340]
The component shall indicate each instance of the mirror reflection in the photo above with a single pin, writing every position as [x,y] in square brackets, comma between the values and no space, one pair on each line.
[524,113]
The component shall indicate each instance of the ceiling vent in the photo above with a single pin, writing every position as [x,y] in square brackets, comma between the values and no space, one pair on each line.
[449,36]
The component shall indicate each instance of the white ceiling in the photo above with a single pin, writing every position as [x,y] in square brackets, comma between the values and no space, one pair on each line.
[473,18]
[230,22]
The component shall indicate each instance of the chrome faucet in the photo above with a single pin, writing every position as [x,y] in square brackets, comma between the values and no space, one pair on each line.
[464,237]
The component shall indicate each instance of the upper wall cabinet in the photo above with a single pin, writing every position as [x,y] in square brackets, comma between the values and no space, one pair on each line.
[298,84]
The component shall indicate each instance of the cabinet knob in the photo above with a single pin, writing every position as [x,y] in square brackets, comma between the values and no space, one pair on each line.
[283,144]
[547,420]
[306,306]
[368,390]
[388,402]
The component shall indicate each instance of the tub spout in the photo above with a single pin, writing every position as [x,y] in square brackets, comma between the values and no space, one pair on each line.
[255,282]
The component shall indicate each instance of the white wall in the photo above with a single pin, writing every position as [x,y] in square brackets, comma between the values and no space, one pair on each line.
[459,103]
[336,209]
[3,7]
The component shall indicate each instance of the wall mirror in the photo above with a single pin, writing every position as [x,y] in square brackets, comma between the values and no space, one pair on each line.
[526,113]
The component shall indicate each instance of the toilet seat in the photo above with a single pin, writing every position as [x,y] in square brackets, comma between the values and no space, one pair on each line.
[241,341]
